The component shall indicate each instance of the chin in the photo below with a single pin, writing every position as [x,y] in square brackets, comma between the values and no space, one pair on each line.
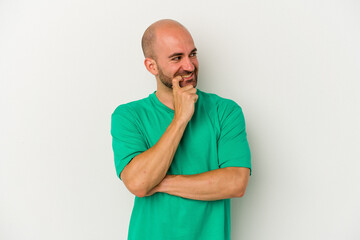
[193,82]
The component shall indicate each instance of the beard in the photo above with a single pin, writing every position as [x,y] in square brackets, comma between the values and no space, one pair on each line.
[167,81]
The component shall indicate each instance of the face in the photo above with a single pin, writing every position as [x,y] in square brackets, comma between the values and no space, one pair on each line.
[176,56]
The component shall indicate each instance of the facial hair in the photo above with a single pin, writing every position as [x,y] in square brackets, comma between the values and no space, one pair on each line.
[167,81]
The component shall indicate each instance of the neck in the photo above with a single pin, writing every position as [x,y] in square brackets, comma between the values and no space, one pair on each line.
[165,95]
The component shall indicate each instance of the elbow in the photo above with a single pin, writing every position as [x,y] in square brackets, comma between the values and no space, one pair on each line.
[239,193]
[240,182]
[137,189]
[140,193]
[135,186]
[239,188]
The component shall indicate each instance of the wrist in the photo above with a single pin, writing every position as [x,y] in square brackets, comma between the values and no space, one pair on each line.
[179,123]
[165,184]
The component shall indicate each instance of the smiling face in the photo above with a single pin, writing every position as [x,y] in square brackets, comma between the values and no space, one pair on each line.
[175,55]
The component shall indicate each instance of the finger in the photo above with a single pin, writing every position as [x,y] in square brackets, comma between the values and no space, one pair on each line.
[188,87]
[175,82]
[192,90]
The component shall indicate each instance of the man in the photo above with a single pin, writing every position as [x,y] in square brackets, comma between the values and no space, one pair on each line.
[181,151]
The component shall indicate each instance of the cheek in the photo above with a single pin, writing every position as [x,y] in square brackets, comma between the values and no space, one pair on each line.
[169,68]
[195,63]
[174,70]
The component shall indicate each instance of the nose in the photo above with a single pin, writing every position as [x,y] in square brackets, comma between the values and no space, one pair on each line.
[188,64]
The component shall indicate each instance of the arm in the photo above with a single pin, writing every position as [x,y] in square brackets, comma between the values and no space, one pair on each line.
[148,169]
[217,184]
[232,177]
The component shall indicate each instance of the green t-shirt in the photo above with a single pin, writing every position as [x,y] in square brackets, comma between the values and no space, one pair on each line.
[215,137]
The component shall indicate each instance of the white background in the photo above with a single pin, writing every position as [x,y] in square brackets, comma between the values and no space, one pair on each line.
[293,66]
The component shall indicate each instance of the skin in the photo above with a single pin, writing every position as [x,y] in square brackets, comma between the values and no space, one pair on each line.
[174,64]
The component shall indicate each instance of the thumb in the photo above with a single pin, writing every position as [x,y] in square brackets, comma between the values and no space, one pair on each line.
[175,82]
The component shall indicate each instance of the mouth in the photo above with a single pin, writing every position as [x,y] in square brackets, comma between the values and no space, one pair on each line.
[188,76]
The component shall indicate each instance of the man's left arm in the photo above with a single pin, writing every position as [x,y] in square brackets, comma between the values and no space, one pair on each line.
[223,183]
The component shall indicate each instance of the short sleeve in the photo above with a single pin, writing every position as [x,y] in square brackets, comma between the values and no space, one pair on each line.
[233,147]
[127,141]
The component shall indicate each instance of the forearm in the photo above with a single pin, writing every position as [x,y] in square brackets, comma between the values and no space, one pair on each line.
[148,169]
[213,185]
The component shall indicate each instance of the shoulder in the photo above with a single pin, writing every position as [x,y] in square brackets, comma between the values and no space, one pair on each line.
[125,117]
[218,103]
[131,108]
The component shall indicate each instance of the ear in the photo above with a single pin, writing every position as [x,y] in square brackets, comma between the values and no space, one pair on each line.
[151,66]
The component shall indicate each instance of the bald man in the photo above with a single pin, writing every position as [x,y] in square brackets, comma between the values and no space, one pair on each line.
[182,152]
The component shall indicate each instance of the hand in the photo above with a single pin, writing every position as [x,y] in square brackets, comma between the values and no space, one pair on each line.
[184,100]
[152,192]
[155,189]
[161,187]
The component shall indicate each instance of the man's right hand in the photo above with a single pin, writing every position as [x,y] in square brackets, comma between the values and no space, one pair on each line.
[184,100]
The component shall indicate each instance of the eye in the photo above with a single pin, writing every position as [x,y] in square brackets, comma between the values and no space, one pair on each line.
[193,54]
[176,58]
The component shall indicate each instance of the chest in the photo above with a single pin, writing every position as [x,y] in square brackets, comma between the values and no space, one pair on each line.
[197,150]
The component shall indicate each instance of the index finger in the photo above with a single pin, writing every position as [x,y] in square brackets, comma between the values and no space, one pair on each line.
[175,82]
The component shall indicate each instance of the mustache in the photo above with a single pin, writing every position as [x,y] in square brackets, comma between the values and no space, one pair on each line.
[180,73]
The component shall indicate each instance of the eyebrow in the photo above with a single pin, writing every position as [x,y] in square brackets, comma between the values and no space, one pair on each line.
[180,54]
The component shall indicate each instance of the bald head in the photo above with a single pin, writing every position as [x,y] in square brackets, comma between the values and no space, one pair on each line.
[151,33]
